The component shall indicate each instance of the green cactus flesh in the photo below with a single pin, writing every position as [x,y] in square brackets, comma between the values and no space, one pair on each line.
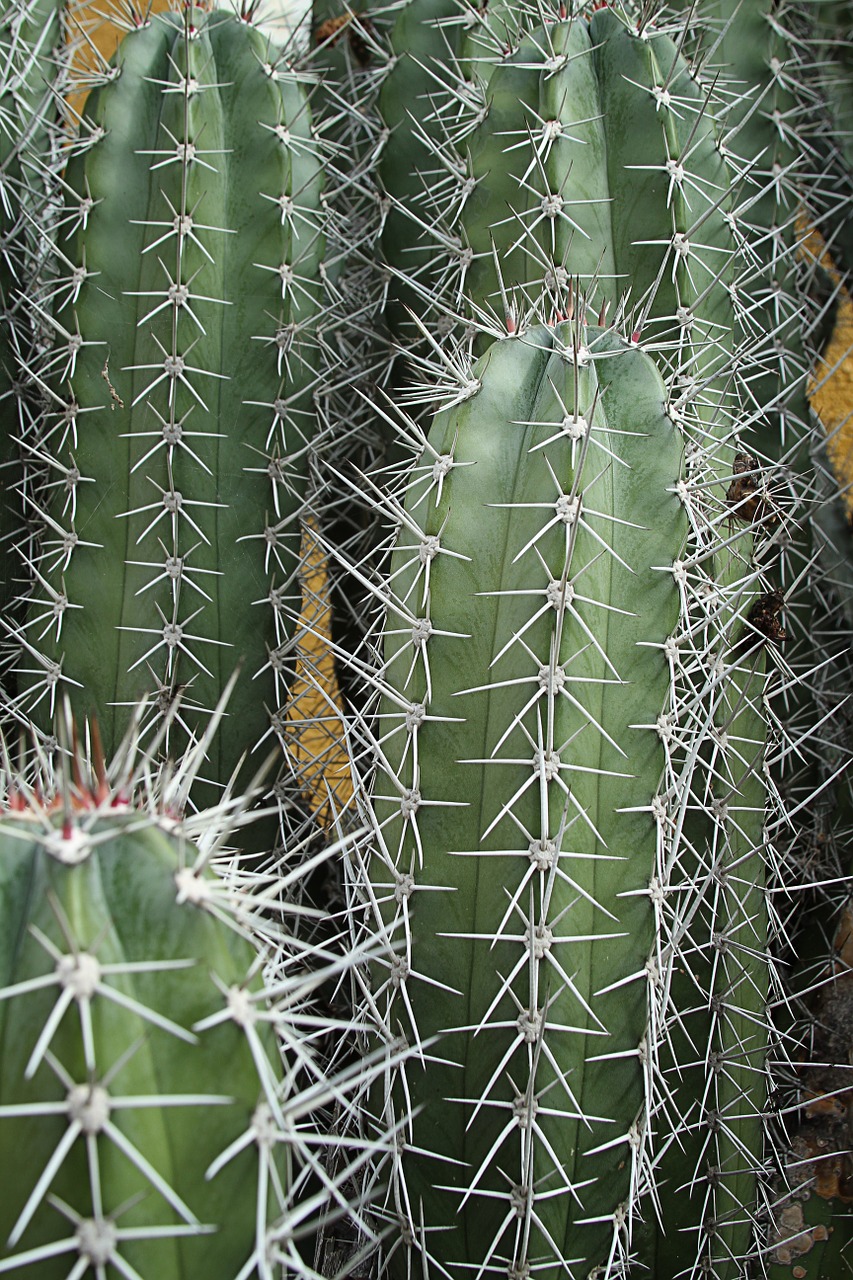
[182,385]
[438,47]
[133,1056]
[567,822]
[425,40]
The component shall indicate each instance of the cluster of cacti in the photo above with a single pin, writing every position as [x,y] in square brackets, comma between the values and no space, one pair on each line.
[162,1060]
[561,163]
[509,312]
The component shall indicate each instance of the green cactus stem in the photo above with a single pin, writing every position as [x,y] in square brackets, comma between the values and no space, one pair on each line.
[141,1118]
[182,384]
[830,62]
[165,1091]
[567,817]
[31,77]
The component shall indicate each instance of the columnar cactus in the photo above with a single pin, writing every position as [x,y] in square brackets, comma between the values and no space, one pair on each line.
[769,131]
[574,778]
[593,163]
[418,90]
[181,388]
[567,824]
[31,68]
[769,68]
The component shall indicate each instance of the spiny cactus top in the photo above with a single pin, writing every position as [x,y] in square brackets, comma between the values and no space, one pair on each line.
[583,148]
[567,820]
[180,387]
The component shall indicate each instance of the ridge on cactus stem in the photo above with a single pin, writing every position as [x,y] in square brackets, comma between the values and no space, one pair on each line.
[190,350]
[563,778]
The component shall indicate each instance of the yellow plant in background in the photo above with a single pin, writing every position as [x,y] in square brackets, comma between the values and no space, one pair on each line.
[315,731]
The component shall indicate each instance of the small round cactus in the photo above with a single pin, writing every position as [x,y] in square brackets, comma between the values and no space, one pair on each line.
[167,1089]
[141,1125]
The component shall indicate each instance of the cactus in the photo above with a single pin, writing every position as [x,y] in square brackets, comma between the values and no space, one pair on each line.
[556,203]
[566,830]
[830,47]
[568,751]
[141,1125]
[137,1093]
[769,66]
[812,1226]
[182,382]
[31,73]
[770,126]
[595,155]
[549,188]
[426,39]
[769,141]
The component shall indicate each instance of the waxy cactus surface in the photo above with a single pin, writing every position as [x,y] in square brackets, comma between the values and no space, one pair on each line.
[580,800]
